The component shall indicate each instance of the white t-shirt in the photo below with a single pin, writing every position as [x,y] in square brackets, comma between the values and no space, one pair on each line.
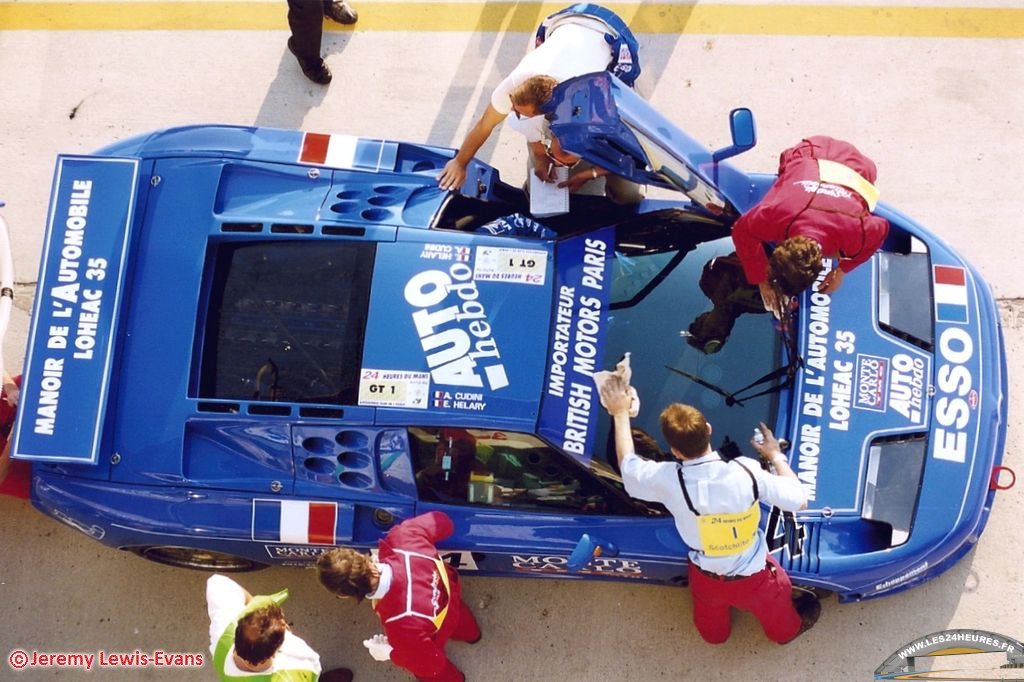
[225,599]
[715,486]
[574,46]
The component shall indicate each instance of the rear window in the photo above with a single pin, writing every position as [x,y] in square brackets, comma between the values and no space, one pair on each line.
[285,321]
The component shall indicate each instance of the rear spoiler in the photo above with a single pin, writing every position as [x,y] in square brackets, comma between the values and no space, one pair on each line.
[65,386]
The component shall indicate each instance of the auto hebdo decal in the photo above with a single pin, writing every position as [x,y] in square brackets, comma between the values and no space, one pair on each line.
[857,382]
[64,393]
[468,316]
[570,404]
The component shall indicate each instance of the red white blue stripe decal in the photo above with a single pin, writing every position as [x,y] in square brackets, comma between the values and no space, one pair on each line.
[296,522]
[950,294]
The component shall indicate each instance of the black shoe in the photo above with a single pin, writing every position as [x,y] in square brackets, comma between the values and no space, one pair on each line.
[341,12]
[809,608]
[315,69]
[336,675]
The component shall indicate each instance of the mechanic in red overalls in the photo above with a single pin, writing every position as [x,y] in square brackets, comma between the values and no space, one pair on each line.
[820,206]
[415,593]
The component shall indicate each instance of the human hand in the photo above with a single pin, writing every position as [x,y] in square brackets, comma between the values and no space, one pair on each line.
[452,175]
[578,179]
[771,299]
[11,393]
[769,448]
[379,648]
[833,280]
[613,388]
[543,167]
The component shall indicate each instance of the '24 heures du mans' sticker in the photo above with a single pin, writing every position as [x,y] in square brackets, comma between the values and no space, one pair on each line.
[392,388]
[497,264]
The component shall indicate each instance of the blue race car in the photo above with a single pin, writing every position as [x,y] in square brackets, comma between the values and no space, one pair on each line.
[250,345]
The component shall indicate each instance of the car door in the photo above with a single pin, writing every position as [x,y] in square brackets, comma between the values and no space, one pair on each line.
[521,507]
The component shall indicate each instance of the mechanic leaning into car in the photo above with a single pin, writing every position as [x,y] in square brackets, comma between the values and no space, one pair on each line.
[716,507]
[583,38]
[249,636]
[820,206]
[413,591]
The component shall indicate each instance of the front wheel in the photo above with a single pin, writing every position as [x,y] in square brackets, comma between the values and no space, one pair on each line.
[197,559]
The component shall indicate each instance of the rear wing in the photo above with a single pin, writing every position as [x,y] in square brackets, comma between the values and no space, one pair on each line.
[74,321]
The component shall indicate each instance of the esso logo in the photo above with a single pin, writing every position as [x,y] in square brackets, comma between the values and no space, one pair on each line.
[956,396]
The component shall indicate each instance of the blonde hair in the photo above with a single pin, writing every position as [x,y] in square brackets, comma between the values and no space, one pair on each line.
[535,91]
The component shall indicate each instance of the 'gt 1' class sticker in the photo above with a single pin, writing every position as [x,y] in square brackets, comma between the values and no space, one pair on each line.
[524,266]
[390,388]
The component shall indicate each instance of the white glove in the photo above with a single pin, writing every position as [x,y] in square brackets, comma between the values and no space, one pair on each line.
[379,647]
[613,387]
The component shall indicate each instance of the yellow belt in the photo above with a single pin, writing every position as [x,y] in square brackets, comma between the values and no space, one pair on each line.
[838,174]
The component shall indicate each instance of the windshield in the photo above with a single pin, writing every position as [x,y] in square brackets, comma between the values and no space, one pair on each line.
[679,300]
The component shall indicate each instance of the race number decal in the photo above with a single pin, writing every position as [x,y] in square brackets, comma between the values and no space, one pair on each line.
[523,266]
[388,388]
[784,531]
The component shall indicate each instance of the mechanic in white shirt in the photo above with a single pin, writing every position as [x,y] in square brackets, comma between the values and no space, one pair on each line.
[716,507]
[250,638]
[575,45]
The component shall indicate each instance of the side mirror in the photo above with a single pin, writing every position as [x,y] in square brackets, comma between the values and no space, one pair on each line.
[586,549]
[744,134]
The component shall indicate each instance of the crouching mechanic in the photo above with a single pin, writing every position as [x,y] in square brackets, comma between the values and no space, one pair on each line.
[580,39]
[250,638]
[716,509]
[414,592]
[820,206]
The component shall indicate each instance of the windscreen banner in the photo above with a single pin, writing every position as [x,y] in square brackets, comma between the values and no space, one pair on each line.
[570,405]
[67,368]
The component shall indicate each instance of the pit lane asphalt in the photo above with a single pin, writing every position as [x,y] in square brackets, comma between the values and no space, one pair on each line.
[939,112]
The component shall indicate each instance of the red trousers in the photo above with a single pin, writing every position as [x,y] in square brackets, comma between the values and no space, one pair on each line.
[466,630]
[767,594]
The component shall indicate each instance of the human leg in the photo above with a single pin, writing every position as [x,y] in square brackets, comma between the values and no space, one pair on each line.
[306,21]
[467,630]
[771,603]
[448,674]
[711,612]
[340,11]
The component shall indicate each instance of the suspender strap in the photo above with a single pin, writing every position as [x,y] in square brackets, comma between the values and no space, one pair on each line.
[753,481]
[686,495]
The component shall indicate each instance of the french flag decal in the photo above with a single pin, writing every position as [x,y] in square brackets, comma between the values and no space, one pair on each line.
[295,522]
[336,151]
[950,294]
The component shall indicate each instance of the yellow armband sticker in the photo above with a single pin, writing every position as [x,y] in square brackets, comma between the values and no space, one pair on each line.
[728,534]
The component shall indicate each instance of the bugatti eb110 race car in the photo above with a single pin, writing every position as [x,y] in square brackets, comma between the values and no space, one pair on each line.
[250,345]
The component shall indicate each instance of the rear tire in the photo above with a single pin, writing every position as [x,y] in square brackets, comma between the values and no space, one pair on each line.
[197,559]
[819,593]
